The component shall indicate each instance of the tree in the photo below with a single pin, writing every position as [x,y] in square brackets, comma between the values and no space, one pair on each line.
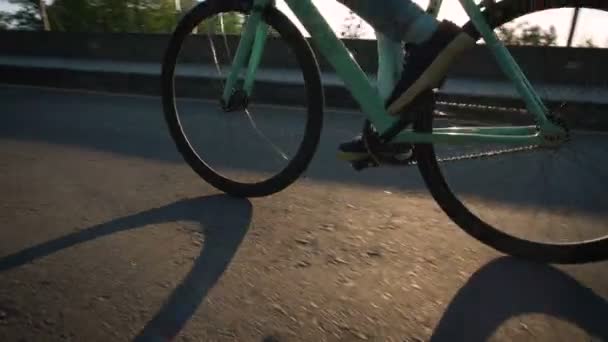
[187,4]
[137,16]
[352,27]
[534,35]
[525,34]
[43,15]
[5,21]
[153,16]
[589,43]
[28,16]
[232,23]
[72,16]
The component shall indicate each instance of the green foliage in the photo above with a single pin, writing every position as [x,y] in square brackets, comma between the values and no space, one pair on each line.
[232,24]
[5,21]
[187,4]
[152,16]
[525,34]
[589,43]
[138,16]
[352,27]
[95,15]
[27,17]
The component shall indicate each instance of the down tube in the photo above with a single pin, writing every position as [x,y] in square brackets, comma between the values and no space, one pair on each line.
[337,54]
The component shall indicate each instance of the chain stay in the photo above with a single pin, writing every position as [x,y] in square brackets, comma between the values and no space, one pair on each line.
[486,154]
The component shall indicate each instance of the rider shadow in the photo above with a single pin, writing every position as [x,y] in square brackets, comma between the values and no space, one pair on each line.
[224,220]
[508,287]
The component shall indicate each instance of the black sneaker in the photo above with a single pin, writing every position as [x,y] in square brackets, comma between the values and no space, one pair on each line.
[427,63]
[355,150]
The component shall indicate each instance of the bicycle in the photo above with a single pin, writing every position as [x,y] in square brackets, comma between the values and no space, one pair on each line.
[547,131]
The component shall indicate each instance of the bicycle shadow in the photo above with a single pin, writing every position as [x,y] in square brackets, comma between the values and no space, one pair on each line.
[224,220]
[508,287]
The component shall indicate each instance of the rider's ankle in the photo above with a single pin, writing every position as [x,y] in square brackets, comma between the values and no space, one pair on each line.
[421,30]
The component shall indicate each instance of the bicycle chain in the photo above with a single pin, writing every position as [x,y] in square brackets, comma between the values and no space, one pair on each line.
[490,153]
[483,107]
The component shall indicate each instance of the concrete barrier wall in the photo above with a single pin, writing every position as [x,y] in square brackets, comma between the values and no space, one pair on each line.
[547,64]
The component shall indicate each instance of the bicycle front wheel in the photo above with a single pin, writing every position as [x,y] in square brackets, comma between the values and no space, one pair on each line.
[255,149]
[541,204]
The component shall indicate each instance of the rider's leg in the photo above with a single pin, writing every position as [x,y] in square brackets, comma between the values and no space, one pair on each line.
[434,46]
[399,20]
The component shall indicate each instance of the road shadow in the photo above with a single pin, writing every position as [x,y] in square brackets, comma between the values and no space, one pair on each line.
[509,287]
[225,221]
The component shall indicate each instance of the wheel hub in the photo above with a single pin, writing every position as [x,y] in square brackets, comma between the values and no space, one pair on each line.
[239,100]
[557,133]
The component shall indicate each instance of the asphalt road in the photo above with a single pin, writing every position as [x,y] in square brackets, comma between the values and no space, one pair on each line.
[107,235]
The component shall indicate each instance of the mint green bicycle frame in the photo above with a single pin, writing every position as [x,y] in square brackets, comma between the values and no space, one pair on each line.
[370,98]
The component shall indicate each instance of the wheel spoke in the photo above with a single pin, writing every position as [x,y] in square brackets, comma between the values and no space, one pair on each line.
[592,169]
[223,29]
[562,203]
[216,62]
[264,137]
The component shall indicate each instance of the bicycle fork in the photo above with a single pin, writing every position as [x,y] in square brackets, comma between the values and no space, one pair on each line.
[250,50]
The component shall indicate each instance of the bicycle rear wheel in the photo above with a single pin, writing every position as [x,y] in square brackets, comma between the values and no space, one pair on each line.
[546,205]
[256,150]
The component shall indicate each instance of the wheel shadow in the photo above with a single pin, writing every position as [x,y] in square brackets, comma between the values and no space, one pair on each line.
[224,220]
[509,287]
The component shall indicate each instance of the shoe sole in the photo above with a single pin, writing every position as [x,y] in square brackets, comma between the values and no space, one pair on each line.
[432,76]
[354,156]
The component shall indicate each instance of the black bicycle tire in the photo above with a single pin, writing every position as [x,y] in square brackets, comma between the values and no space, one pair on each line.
[565,253]
[314,95]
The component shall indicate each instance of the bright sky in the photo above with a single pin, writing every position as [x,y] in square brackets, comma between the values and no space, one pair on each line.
[5,6]
[592,24]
